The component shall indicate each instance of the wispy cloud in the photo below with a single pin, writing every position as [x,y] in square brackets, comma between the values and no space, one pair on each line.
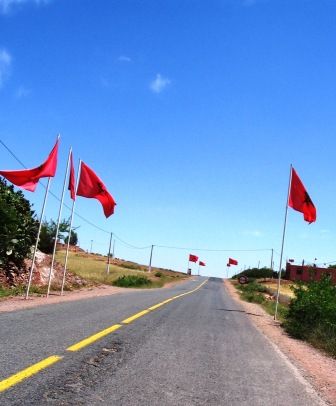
[7,5]
[124,58]
[252,233]
[159,83]
[5,64]
[22,92]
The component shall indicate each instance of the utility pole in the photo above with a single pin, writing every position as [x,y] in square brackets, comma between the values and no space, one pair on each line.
[91,247]
[109,255]
[272,259]
[150,259]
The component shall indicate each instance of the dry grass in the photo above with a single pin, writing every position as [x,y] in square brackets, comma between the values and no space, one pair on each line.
[93,268]
[285,287]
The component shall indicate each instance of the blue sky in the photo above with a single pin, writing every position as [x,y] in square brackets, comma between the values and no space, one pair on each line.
[190,111]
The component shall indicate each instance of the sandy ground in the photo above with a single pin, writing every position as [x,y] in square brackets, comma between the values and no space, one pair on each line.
[317,368]
[9,304]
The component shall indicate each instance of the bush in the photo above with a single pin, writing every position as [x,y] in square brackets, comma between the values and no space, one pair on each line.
[158,274]
[133,281]
[256,273]
[312,314]
[18,227]
[48,232]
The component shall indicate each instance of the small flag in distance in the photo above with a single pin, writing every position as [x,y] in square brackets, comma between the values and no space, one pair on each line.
[193,258]
[233,261]
[201,263]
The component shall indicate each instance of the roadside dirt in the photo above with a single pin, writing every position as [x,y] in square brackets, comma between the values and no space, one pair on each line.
[317,368]
[9,304]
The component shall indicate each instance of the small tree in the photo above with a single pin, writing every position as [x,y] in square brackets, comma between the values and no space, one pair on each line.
[73,238]
[18,227]
[47,236]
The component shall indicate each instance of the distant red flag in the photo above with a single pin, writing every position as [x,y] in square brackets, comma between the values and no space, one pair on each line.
[201,263]
[72,186]
[92,187]
[28,178]
[193,258]
[300,200]
[233,261]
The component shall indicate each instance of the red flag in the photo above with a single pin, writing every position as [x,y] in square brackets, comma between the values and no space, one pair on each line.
[300,200]
[233,261]
[72,186]
[193,258]
[201,263]
[28,178]
[92,187]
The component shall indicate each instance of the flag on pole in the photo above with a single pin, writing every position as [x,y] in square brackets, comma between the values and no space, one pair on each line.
[233,261]
[300,200]
[28,178]
[72,182]
[201,263]
[193,258]
[92,187]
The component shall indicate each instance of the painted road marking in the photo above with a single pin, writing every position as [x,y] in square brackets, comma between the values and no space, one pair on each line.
[135,316]
[26,373]
[93,338]
[34,369]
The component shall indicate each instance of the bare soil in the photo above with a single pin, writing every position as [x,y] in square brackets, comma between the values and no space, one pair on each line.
[319,369]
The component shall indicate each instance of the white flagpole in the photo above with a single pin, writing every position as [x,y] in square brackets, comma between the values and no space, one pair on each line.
[37,238]
[58,224]
[282,245]
[150,260]
[108,255]
[198,272]
[188,268]
[70,229]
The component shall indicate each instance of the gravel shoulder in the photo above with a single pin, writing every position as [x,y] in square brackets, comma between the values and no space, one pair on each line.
[317,368]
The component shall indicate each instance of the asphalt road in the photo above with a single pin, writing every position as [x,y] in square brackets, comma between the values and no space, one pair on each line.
[198,349]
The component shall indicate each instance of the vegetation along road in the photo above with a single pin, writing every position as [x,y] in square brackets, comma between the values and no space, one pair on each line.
[197,349]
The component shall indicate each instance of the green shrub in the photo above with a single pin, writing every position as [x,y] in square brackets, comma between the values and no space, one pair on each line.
[133,281]
[158,274]
[312,314]
[18,227]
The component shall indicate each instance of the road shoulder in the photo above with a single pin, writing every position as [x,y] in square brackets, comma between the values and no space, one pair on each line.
[317,368]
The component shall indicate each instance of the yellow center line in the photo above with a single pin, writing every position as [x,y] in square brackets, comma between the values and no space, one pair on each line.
[93,338]
[135,316]
[26,373]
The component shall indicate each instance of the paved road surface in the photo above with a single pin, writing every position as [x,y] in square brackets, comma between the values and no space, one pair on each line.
[199,349]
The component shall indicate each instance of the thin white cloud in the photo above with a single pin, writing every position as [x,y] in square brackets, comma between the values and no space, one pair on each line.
[22,92]
[5,64]
[124,58]
[159,83]
[7,5]
[252,233]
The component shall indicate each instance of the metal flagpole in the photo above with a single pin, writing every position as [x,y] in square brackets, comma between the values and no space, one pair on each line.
[150,259]
[282,245]
[109,255]
[70,229]
[37,238]
[188,268]
[58,224]
[198,269]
